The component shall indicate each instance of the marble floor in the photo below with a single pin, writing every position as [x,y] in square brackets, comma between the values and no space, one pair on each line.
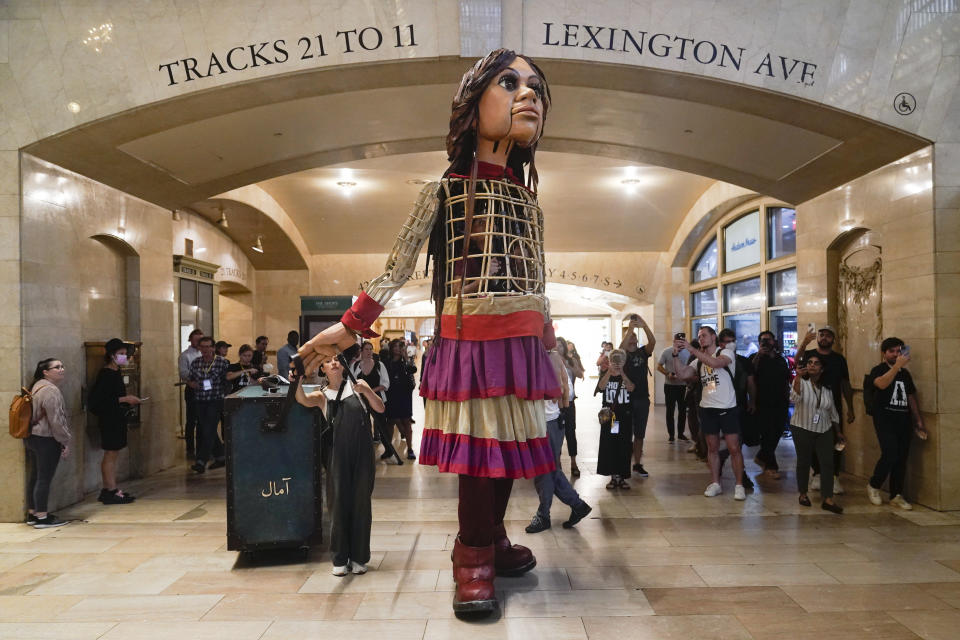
[659,561]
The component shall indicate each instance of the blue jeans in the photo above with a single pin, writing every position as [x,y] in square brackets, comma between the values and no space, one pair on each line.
[555,482]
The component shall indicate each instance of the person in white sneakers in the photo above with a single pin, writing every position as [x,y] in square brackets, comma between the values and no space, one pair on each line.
[894,403]
[715,367]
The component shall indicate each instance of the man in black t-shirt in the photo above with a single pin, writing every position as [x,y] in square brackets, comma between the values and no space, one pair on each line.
[772,375]
[895,403]
[637,369]
[836,376]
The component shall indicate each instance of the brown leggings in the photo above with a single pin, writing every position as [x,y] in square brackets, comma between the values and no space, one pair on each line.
[483,503]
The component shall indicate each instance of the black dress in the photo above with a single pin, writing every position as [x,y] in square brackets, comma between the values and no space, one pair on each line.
[613,457]
[352,474]
[400,393]
[104,403]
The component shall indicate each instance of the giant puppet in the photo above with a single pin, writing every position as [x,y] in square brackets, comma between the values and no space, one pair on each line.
[487,376]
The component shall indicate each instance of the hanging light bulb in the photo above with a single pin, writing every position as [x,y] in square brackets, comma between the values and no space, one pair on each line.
[176,215]
[259,246]
[223,218]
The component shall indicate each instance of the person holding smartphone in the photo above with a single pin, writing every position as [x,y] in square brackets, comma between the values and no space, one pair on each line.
[812,425]
[896,418]
[672,359]
[637,368]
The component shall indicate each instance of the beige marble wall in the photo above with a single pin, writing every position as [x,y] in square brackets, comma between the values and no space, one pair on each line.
[73,290]
[895,204]
[236,322]
[277,303]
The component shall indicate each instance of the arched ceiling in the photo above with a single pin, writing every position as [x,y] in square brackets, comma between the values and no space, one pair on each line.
[387,121]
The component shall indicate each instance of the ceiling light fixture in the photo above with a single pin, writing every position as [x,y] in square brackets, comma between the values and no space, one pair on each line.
[176,215]
[418,181]
[73,107]
[223,218]
[630,181]
[259,246]
[346,184]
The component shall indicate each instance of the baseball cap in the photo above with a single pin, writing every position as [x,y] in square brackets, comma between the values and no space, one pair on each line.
[829,328]
[222,343]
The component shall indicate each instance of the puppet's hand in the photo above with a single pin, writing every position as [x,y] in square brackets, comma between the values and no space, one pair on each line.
[549,337]
[324,345]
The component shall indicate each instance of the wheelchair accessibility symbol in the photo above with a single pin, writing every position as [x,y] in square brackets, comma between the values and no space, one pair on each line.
[905,104]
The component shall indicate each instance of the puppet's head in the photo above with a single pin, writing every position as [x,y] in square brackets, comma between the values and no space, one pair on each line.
[500,70]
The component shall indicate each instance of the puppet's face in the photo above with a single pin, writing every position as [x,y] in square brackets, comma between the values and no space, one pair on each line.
[511,107]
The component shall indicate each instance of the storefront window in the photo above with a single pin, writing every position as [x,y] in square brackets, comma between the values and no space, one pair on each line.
[706,266]
[782,287]
[742,242]
[739,296]
[747,328]
[704,302]
[783,324]
[781,232]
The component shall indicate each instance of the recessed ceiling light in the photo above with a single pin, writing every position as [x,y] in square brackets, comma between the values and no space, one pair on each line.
[73,107]
[630,181]
[346,184]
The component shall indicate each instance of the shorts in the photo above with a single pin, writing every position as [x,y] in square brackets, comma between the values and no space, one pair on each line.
[714,421]
[640,415]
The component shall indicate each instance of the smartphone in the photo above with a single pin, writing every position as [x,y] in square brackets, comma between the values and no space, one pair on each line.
[905,350]
[144,399]
[680,336]
[811,327]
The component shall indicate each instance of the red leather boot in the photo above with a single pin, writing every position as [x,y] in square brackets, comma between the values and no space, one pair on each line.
[473,573]
[511,559]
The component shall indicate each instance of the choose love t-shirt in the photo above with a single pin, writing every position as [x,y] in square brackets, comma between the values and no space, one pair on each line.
[718,391]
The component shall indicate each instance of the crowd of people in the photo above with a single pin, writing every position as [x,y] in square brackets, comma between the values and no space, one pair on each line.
[728,401]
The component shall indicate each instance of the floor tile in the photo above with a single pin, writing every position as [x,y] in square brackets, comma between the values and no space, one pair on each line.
[701,627]
[169,544]
[508,629]
[930,625]
[55,630]
[719,600]
[634,577]
[852,597]
[288,606]
[140,608]
[10,561]
[407,606]
[147,583]
[181,630]
[857,625]
[890,572]
[34,608]
[354,630]
[22,582]
[195,582]
[85,562]
[540,579]
[372,581]
[592,602]
[949,592]
[725,575]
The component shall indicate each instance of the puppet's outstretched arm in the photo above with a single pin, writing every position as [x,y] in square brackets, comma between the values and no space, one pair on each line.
[400,265]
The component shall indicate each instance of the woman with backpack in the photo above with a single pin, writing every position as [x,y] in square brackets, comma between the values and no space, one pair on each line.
[48,442]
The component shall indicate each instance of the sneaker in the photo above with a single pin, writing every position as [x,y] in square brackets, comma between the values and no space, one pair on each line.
[115,497]
[31,518]
[340,571]
[739,493]
[897,501]
[874,495]
[411,455]
[49,522]
[814,482]
[198,467]
[386,455]
[641,471]
[217,464]
[837,487]
[358,568]
[713,489]
[577,514]
[538,524]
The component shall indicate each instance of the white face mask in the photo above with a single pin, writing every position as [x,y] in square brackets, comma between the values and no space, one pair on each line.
[120,359]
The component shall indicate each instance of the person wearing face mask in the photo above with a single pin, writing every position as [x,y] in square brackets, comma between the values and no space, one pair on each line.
[107,398]
[48,442]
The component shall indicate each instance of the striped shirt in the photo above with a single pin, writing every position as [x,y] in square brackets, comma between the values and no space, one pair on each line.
[810,402]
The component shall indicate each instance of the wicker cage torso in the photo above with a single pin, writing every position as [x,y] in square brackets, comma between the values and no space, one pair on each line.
[506,244]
